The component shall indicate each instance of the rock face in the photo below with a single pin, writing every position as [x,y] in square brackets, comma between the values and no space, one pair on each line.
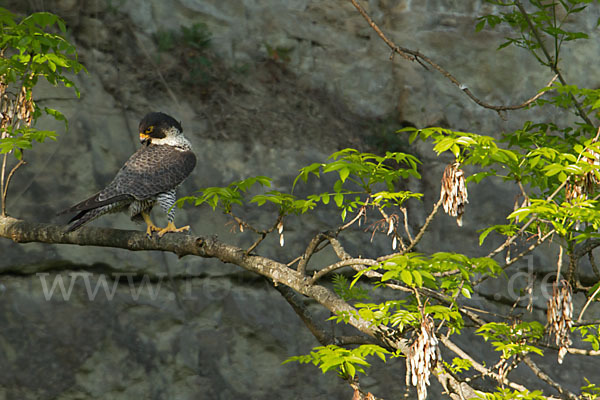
[285,84]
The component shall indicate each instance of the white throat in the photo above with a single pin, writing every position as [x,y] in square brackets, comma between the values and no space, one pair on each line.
[174,138]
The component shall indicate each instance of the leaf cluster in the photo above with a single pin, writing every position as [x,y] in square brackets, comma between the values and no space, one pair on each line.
[359,176]
[31,50]
[513,339]
[345,362]
[549,18]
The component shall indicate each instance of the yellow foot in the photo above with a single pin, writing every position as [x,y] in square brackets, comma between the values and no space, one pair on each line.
[151,228]
[171,228]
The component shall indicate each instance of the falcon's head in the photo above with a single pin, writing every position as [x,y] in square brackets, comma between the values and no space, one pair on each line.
[159,128]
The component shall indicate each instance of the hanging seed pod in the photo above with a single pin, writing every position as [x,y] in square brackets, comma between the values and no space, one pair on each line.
[559,314]
[576,191]
[422,358]
[280,231]
[25,106]
[590,179]
[454,192]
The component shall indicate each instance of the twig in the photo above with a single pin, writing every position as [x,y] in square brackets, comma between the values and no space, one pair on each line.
[256,243]
[477,366]
[405,213]
[573,350]
[588,322]
[412,55]
[310,250]
[511,239]
[551,61]
[587,303]
[543,376]
[341,264]
[2,172]
[559,263]
[263,234]
[519,256]
[7,182]
[582,352]
[358,215]
[419,235]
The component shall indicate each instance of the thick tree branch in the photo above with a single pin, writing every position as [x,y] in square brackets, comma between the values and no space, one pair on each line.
[340,264]
[319,332]
[182,245]
[280,274]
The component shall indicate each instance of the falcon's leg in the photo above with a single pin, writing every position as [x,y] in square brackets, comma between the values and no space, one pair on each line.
[150,225]
[166,201]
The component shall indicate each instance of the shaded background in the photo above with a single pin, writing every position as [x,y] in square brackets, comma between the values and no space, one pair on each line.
[281,84]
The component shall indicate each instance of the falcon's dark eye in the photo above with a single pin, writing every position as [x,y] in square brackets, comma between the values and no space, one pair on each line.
[149,129]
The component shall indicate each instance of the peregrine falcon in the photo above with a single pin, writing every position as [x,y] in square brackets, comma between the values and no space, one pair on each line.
[150,176]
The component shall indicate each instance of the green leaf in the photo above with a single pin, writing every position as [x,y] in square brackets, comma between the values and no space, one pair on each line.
[338,198]
[406,277]
[344,172]
[418,278]
[466,292]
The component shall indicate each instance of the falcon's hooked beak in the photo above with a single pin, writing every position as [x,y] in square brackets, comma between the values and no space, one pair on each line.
[144,138]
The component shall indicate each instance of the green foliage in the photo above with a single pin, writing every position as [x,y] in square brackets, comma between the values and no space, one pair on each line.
[224,197]
[363,171]
[191,43]
[544,19]
[467,148]
[359,176]
[23,138]
[564,217]
[555,165]
[196,36]
[507,394]
[449,273]
[342,288]
[346,362]
[30,51]
[591,334]
[590,391]
[513,339]
[459,365]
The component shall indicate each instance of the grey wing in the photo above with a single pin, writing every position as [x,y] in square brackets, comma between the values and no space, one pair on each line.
[150,171]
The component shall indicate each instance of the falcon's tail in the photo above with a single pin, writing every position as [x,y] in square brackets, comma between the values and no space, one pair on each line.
[91,208]
[83,217]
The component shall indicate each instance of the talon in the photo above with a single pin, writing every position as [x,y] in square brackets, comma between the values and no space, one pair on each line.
[151,228]
[171,228]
